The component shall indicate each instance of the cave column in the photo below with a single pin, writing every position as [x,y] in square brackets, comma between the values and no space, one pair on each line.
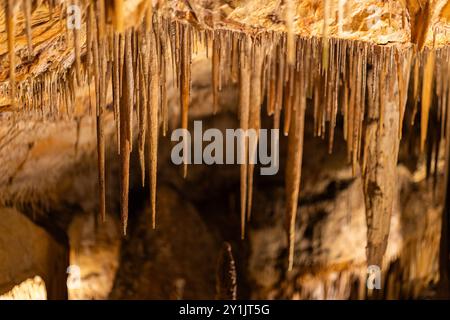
[379,168]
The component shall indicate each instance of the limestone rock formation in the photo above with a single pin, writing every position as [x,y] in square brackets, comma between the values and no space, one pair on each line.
[27,251]
[102,84]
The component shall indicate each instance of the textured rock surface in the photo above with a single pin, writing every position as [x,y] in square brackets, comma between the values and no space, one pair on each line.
[94,252]
[27,250]
[30,289]
[175,261]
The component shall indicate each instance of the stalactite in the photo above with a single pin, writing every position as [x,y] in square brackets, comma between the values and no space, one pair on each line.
[125,122]
[288,94]
[99,59]
[416,81]
[215,61]
[101,19]
[279,88]
[333,92]
[254,116]
[224,59]
[139,101]
[426,97]
[96,60]
[226,278]
[271,85]
[325,31]
[101,163]
[135,73]
[11,32]
[318,105]
[121,58]
[244,107]
[118,16]
[116,80]
[351,110]
[359,112]
[289,16]
[142,106]
[153,125]
[185,79]
[403,62]
[174,50]
[293,172]
[235,58]
[163,71]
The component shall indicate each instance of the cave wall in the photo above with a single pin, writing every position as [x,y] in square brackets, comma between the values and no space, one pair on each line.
[27,250]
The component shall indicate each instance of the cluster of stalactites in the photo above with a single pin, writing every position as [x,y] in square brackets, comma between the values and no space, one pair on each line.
[128,64]
[333,76]
[357,80]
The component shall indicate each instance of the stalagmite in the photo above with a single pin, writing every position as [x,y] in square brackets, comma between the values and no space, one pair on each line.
[11,32]
[226,278]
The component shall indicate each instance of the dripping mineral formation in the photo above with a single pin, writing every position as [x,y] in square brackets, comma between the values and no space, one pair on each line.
[369,78]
